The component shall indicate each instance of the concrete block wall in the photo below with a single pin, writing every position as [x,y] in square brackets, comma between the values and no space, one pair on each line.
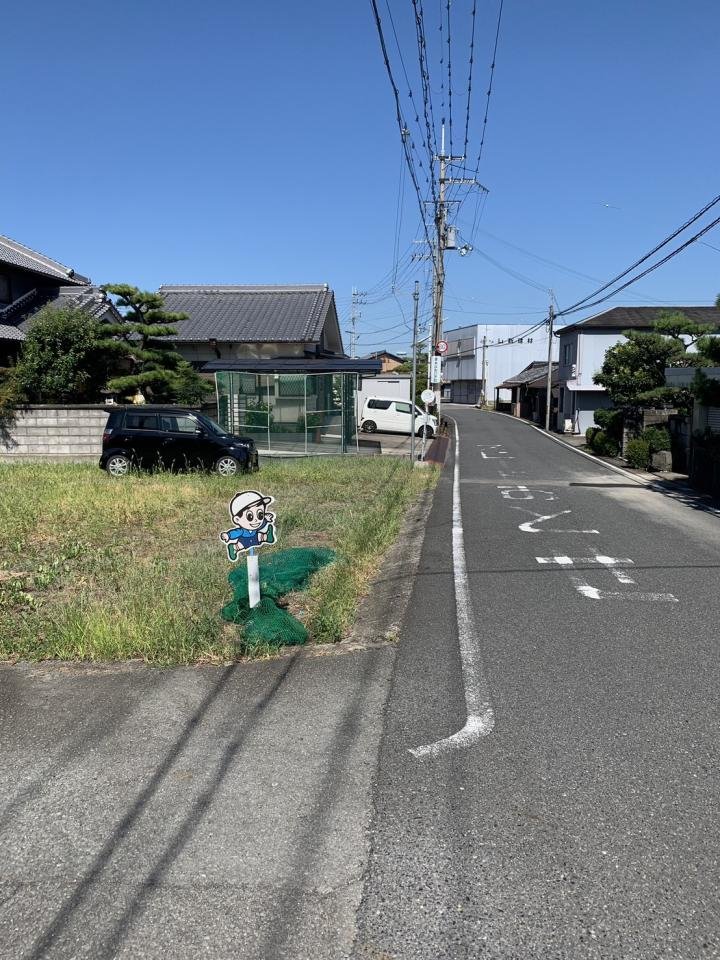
[55,433]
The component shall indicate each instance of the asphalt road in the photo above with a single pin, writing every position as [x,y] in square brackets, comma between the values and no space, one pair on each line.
[585,824]
[273,810]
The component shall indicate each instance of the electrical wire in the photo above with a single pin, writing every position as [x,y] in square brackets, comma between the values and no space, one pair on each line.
[665,259]
[399,117]
[449,71]
[580,304]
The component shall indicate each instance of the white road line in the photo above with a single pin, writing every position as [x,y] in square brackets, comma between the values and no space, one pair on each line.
[593,593]
[480,714]
[530,525]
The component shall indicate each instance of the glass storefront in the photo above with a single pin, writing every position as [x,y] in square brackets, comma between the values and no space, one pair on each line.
[296,413]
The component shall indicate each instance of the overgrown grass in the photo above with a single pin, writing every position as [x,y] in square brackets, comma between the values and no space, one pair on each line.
[93,568]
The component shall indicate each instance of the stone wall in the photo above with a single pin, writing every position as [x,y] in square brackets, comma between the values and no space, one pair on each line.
[55,433]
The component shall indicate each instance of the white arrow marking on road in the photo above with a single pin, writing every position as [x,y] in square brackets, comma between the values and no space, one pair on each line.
[593,593]
[480,713]
[529,525]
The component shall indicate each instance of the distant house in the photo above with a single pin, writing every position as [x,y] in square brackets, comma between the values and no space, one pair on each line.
[501,349]
[28,281]
[389,361]
[277,355]
[582,351]
[528,391]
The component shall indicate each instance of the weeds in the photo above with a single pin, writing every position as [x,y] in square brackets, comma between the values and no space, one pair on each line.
[93,568]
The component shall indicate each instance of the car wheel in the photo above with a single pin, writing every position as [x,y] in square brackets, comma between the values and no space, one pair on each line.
[369,426]
[228,466]
[427,431]
[118,465]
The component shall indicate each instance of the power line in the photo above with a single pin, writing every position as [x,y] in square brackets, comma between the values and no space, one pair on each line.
[673,253]
[578,305]
[487,108]
[449,71]
[398,111]
[425,79]
[470,73]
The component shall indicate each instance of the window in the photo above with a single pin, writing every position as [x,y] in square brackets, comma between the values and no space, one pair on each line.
[178,424]
[141,421]
[403,407]
[379,404]
[529,339]
[567,354]
[4,289]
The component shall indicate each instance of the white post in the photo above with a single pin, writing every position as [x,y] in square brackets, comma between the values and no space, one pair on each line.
[253,568]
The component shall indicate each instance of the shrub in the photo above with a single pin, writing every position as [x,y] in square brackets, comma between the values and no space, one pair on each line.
[603,445]
[637,453]
[611,421]
[590,435]
[657,439]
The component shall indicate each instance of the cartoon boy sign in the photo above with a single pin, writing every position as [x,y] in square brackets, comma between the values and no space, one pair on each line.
[253,524]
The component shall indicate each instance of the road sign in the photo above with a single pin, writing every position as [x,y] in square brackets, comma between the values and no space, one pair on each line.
[441,346]
[436,370]
[427,396]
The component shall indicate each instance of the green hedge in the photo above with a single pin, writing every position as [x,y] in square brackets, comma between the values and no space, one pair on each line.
[637,453]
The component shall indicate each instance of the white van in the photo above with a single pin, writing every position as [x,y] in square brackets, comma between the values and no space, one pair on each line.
[395,416]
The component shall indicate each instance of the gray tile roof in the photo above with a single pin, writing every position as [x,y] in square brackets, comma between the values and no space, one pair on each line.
[8,332]
[249,314]
[17,318]
[18,255]
[537,370]
[641,318]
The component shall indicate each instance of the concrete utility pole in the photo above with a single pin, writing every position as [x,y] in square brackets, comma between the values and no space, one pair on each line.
[353,322]
[484,370]
[439,248]
[548,391]
[413,379]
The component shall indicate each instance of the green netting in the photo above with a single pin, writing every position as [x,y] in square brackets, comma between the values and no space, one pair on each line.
[281,572]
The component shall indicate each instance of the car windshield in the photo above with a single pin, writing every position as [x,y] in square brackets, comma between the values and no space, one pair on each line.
[209,424]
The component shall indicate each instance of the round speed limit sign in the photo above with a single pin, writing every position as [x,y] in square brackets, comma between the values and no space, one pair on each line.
[441,346]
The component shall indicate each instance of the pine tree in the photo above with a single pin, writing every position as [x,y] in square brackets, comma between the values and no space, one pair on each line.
[154,367]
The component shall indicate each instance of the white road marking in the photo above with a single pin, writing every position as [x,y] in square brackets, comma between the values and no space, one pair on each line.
[480,713]
[530,525]
[497,456]
[598,558]
[622,576]
[593,593]
[524,492]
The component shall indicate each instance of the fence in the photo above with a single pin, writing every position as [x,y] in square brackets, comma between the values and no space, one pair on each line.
[54,433]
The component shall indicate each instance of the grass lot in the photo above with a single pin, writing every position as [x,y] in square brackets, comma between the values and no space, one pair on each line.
[93,568]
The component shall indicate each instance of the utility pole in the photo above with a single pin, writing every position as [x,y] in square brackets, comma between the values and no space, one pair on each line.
[548,392]
[413,379]
[353,322]
[438,253]
[484,369]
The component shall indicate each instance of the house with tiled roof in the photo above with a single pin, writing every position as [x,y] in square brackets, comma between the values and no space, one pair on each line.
[528,391]
[582,350]
[29,281]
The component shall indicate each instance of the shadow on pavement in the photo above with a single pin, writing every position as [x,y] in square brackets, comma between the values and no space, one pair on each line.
[181,836]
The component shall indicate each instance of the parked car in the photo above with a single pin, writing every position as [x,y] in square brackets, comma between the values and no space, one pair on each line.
[395,416]
[172,437]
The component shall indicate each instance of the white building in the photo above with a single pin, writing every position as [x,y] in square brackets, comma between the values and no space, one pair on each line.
[507,349]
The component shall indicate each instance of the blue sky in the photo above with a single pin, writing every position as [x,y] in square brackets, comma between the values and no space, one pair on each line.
[257,143]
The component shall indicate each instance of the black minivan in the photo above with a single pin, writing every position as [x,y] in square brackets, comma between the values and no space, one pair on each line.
[156,437]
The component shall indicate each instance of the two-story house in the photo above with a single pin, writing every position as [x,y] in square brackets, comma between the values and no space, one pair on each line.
[582,350]
[28,281]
